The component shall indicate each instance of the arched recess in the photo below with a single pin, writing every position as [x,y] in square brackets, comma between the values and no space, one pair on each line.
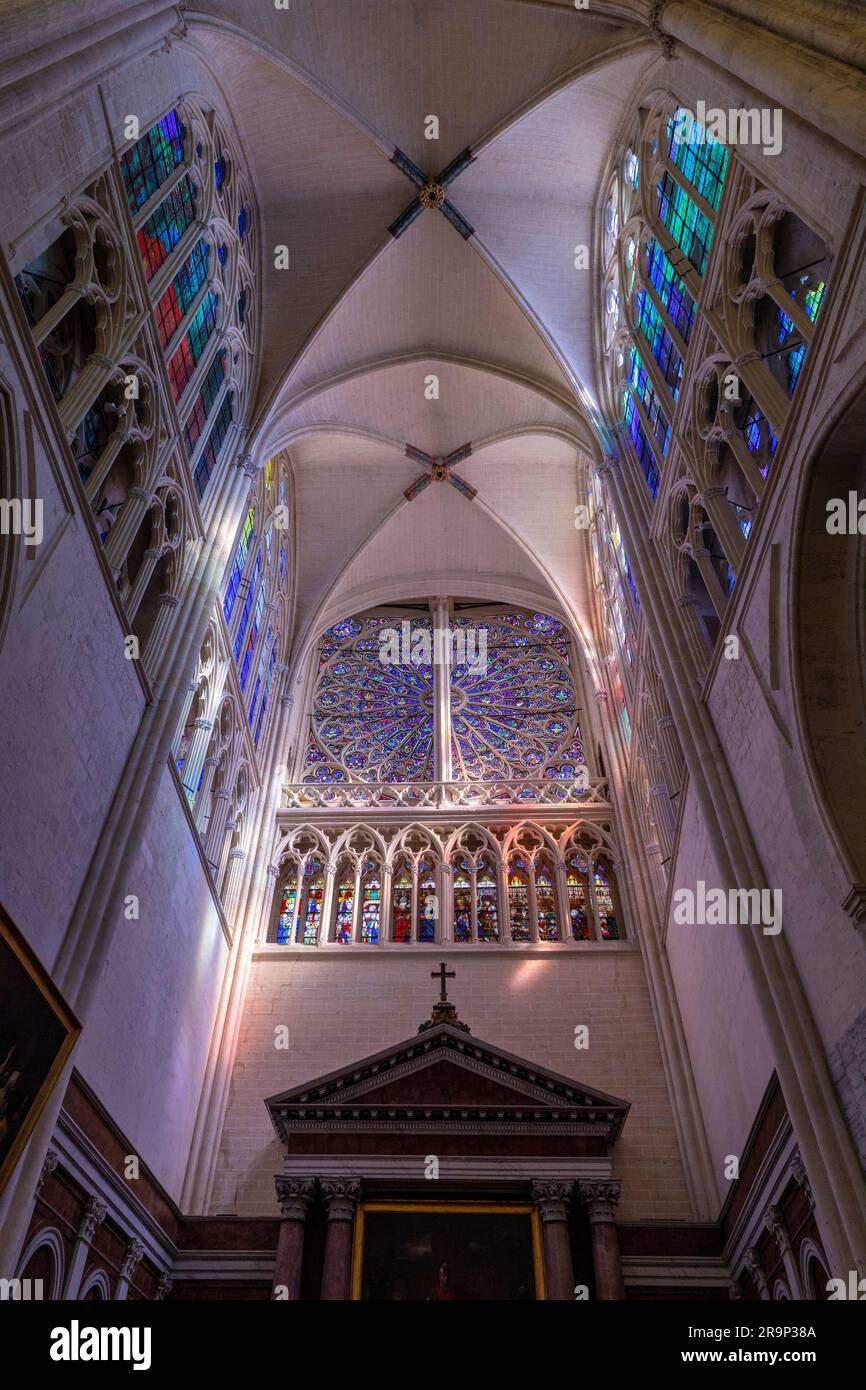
[43,1257]
[828,604]
[96,1288]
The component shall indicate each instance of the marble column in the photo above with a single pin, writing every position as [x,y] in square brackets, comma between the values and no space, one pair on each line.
[94,1214]
[600,1198]
[778,1228]
[294,1196]
[131,1259]
[552,1200]
[341,1199]
[753,1264]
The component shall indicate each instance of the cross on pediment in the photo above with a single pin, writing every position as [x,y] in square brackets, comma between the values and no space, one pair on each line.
[442,975]
[431,194]
[439,471]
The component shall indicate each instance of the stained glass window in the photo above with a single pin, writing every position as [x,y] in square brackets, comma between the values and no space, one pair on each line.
[247,608]
[152,158]
[210,453]
[688,226]
[345,909]
[266,692]
[371,894]
[287,914]
[310,912]
[197,418]
[401,905]
[162,231]
[702,159]
[671,291]
[252,639]
[188,354]
[487,899]
[428,909]
[641,384]
[660,342]
[238,565]
[578,899]
[518,900]
[643,448]
[545,902]
[178,298]
[601,883]
[462,905]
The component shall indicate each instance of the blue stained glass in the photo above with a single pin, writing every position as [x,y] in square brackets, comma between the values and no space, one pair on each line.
[243,222]
[688,226]
[148,164]
[643,448]
[670,290]
[702,159]
[219,173]
[238,566]
[641,384]
[661,344]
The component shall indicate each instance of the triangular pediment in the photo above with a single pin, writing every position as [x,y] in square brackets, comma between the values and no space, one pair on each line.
[444,1074]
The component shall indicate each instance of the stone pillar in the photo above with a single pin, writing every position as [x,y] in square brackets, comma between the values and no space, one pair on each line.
[552,1200]
[94,1214]
[753,1264]
[131,1259]
[776,1225]
[600,1198]
[294,1196]
[341,1198]
[193,765]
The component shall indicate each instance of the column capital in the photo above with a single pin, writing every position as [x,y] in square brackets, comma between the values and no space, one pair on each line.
[552,1199]
[49,1163]
[95,1213]
[599,1196]
[131,1257]
[342,1196]
[801,1178]
[164,1286]
[774,1221]
[294,1196]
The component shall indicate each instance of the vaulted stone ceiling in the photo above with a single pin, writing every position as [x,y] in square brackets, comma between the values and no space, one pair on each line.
[322,94]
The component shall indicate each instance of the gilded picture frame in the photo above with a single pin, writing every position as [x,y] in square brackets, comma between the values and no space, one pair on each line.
[37,1033]
[434,1210]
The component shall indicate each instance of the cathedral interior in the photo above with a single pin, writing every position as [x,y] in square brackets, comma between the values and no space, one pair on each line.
[432,860]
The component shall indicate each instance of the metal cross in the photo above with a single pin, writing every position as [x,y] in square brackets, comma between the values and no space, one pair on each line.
[442,975]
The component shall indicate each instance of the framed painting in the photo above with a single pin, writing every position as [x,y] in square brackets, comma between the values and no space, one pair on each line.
[37,1033]
[441,1252]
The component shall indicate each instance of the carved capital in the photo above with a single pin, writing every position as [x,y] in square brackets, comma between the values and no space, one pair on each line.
[294,1196]
[163,1288]
[599,1196]
[774,1221]
[801,1178]
[664,40]
[95,1213]
[552,1199]
[342,1196]
[131,1258]
[49,1163]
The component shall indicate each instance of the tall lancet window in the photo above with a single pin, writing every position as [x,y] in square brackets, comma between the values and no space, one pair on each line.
[371,904]
[487,899]
[518,899]
[200,282]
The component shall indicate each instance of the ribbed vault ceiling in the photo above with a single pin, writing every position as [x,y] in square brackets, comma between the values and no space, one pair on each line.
[322,93]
